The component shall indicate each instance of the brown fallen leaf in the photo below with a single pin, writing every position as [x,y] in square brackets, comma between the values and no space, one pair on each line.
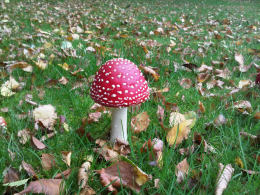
[220,120]
[83,174]
[257,115]
[140,122]
[45,186]
[23,65]
[10,175]
[150,70]
[37,143]
[185,83]
[201,107]
[243,106]
[181,170]
[224,176]
[202,77]
[122,147]
[46,115]
[160,113]
[65,174]
[106,151]
[240,59]
[94,117]
[24,136]
[124,173]
[66,157]
[47,161]
[63,80]
[87,191]
[29,169]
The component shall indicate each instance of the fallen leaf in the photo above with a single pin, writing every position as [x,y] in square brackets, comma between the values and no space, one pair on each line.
[37,143]
[29,169]
[8,87]
[176,118]
[201,107]
[66,157]
[65,174]
[10,175]
[94,117]
[250,172]
[24,136]
[106,151]
[16,183]
[185,83]
[239,162]
[42,64]
[202,77]
[45,186]
[220,120]
[256,116]
[181,170]
[245,83]
[125,173]
[140,122]
[87,191]
[46,115]
[63,80]
[160,113]
[47,161]
[65,66]
[179,132]
[150,70]
[224,176]
[243,106]
[23,65]
[83,174]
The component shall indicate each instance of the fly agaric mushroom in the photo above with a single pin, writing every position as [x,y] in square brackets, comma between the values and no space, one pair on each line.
[119,84]
[3,125]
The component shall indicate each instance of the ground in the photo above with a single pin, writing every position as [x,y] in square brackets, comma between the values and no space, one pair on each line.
[174,39]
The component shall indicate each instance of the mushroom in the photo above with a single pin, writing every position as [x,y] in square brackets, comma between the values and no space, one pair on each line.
[3,125]
[119,84]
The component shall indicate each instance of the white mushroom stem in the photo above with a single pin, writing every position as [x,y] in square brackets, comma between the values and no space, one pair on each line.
[119,124]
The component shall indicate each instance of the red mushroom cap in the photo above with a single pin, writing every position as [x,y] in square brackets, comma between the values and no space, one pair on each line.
[119,83]
[2,123]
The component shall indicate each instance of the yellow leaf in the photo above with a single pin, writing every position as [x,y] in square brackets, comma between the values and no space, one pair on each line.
[65,66]
[239,162]
[179,132]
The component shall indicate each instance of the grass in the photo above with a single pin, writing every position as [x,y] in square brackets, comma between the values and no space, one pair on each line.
[135,19]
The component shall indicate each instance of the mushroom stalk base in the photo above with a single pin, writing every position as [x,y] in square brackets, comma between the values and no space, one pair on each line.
[119,124]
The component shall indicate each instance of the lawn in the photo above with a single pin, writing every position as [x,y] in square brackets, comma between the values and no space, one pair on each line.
[204,55]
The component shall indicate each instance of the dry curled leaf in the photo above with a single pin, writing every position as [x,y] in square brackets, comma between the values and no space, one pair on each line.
[29,169]
[106,151]
[140,122]
[66,157]
[83,174]
[150,70]
[185,83]
[37,143]
[10,175]
[160,113]
[224,176]
[7,88]
[125,173]
[45,186]
[63,174]
[46,115]
[181,170]
[94,117]
[220,120]
[24,136]
[176,118]
[47,161]
[243,106]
